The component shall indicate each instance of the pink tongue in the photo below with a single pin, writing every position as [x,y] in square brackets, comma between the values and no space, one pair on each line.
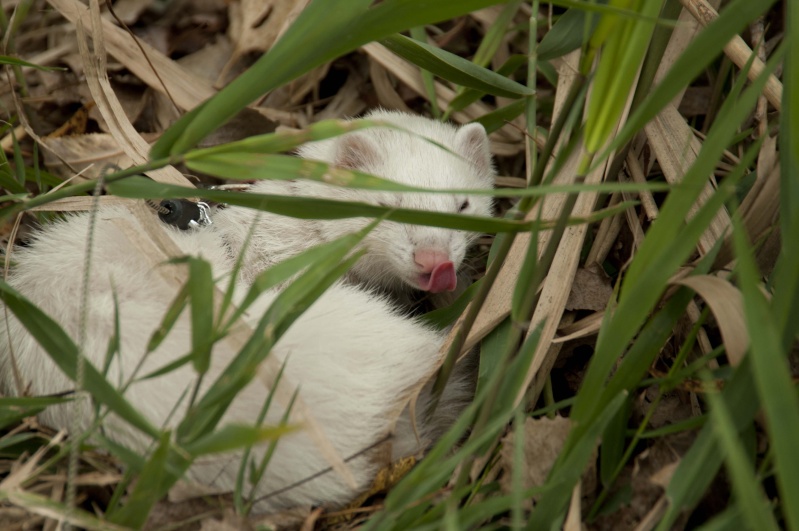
[442,278]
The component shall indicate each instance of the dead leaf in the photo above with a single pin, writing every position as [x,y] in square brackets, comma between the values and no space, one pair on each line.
[255,25]
[726,303]
[76,125]
[543,442]
[90,155]
[591,289]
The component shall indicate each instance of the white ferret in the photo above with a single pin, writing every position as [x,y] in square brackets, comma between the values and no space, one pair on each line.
[400,257]
[353,355]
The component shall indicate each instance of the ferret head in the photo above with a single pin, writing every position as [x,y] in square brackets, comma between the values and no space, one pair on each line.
[401,255]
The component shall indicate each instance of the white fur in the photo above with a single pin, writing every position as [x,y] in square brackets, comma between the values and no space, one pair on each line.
[391,154]
[353,356]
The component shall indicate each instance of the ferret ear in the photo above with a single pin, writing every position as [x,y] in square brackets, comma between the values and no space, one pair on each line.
[471,141]
[355,152]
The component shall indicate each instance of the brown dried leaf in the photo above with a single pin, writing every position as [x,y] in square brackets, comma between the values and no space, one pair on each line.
[676,149]
[543,442]
[591,289]
[185,88]
[726,303]
[129,10]
[90,155]
[256,24]
[108,104]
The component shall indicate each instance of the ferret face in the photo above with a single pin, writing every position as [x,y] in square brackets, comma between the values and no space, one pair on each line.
[412,256]
[418,256]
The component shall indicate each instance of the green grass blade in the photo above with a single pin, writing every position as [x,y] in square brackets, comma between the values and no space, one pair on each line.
[772,377]
[283,311]
[323,31]
[569,468]
[13,409]
[468,96]
[234,437]
[201,294]
[786,276]
[328,252]
[80,519]
[63,351]
[567,33]
[454,68]
[419,33]
[623,52]
[655,262]
[704,49]
[170,318]
[7,60]
[313,208]
[699,466]
[748,494]
[151,484]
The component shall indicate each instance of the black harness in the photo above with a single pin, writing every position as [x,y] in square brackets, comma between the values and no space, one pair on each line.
[182,213]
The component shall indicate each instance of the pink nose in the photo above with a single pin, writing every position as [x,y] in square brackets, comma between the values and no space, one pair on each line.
[436,271]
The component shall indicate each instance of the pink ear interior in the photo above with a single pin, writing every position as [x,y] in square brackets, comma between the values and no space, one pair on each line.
[472,143]
[355,152]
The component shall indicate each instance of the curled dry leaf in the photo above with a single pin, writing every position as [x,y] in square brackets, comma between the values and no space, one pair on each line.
[726,303]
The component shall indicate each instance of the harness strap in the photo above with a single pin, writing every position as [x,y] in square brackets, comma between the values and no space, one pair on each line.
[182,213]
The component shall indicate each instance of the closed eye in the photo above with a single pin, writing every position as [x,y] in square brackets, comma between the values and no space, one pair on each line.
[463,206]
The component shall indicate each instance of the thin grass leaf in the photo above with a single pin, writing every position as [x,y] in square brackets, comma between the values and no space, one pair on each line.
[613,444]
[468,96]
[154,480]
[338,27]
[699,466]
[567,34]
[748,493]
[38,504]
[170,318]
[592,401]
[776,390]
[655,262]
[283,141]
[419,33]
[328,252]
[674,428]
[63,351]
[786,275]
[17,440]
[244,165]
[569,468]
[19,161]
[494,36]
[499,118]
[704,48]
[7,60]
[313,208]
[455,68]
[257,473]
[234,437]
[201,294]
[13,410]
[728,520]
[622,54]
[283,311]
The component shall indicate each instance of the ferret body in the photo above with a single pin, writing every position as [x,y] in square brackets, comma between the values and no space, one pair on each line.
[352,354]
[400,257]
